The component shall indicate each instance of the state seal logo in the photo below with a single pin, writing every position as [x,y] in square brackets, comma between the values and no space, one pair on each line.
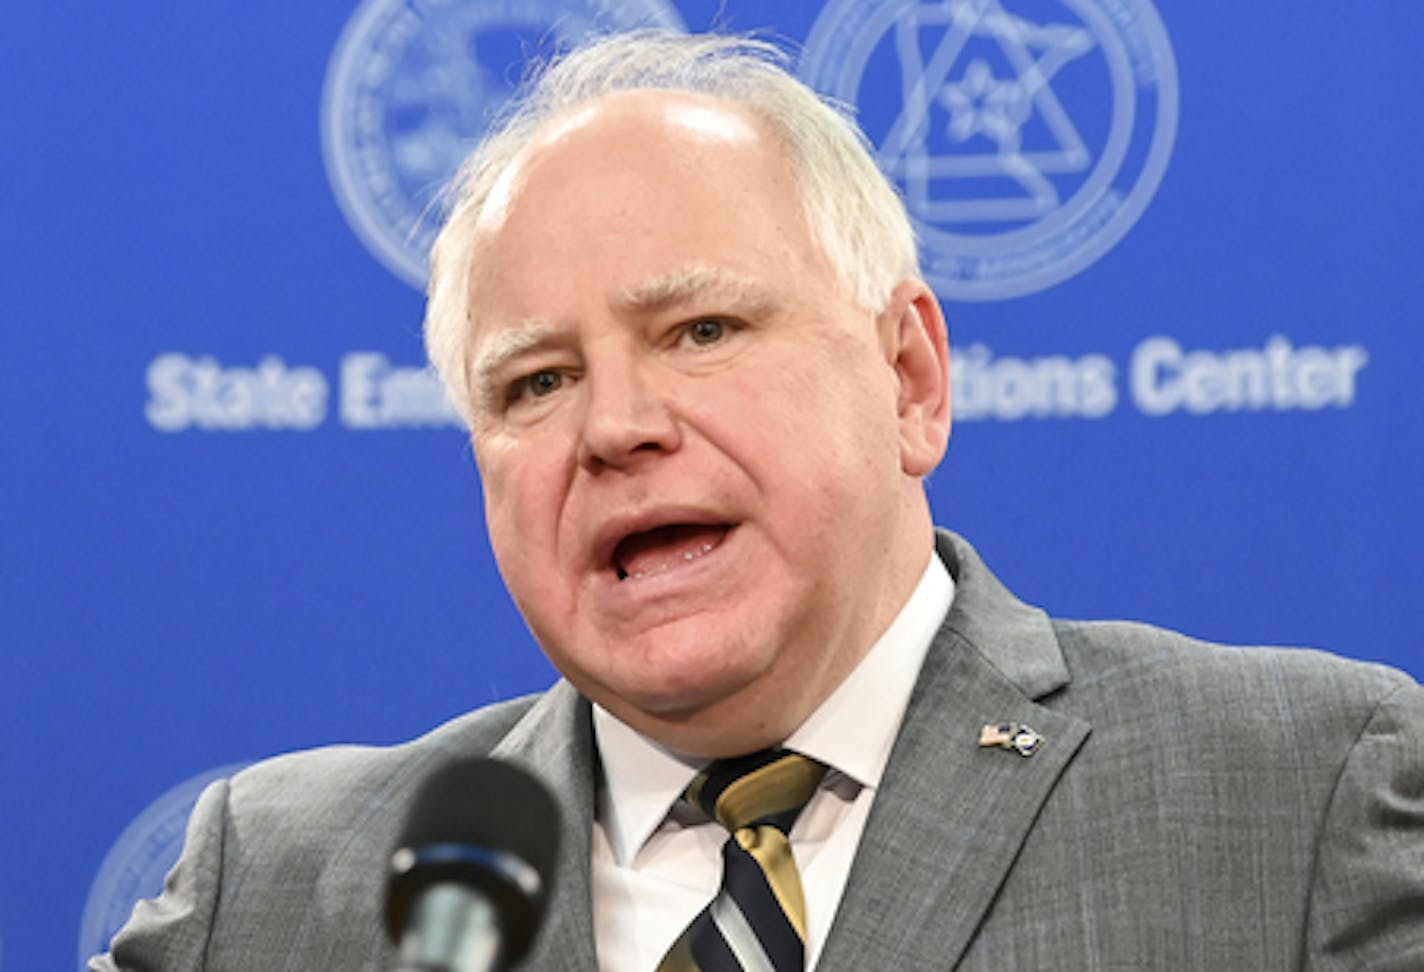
[136,865]
[1028,136]
[411,86]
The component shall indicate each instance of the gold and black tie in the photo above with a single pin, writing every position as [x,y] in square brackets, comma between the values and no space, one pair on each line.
[757,922]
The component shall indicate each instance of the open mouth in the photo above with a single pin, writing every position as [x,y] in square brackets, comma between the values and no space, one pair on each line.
[652,552]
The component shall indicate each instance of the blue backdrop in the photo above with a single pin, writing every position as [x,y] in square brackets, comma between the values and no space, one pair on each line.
[1179,245]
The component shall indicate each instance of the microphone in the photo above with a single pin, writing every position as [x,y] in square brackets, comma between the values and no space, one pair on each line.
[472,871]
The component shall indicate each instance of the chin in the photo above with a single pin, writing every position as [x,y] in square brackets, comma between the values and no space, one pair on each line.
[695,696]
[682,699]
[676,673]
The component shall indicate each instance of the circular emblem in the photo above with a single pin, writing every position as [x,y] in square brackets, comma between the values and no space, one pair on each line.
[135,866]
[1028,136]
[412,85]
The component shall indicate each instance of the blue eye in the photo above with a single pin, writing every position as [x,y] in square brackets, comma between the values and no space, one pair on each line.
[538,385]
[706,330]
[542,383]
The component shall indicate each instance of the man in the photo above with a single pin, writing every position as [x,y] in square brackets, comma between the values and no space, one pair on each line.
[680,311]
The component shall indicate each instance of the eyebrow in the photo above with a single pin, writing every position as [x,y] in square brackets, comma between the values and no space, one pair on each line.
[686,284]
[494,352]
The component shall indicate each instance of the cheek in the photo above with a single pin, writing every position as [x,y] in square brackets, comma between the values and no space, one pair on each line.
[519,514]
[520,505]
[810,452]
[833,418]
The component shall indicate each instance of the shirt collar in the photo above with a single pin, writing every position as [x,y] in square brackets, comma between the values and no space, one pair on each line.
[851,731]
[854,728]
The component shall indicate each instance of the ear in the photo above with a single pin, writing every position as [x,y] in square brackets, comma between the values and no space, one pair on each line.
[916,345]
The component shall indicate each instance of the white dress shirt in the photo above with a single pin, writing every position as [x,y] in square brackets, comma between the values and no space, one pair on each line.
[657,863]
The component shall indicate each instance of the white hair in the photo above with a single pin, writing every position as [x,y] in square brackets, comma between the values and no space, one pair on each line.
[853,212]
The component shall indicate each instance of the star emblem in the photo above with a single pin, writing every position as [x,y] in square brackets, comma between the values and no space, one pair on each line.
[980,103]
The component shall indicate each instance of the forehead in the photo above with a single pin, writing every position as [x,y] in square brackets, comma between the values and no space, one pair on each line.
[636,196]
[625,124]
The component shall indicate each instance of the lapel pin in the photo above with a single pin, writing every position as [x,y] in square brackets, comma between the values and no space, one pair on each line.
[1016,736]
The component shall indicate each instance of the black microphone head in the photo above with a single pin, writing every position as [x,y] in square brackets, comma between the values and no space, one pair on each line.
[486,825]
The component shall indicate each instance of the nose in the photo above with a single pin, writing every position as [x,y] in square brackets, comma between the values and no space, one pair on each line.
[627,416]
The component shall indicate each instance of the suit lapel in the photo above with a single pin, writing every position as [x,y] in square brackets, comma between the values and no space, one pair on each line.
[950,816]
[554,740]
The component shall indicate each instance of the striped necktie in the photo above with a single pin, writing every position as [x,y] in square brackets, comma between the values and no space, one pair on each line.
[757,922]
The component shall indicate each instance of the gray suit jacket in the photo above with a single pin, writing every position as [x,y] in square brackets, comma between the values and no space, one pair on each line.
[1192,807]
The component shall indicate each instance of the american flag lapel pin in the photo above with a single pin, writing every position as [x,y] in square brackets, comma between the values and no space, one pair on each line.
[1015,736]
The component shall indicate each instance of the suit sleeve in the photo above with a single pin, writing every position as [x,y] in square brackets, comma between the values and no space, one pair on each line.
[1367,898]
[172,931]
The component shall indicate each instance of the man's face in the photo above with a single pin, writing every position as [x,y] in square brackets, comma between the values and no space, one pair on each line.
[694,449]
